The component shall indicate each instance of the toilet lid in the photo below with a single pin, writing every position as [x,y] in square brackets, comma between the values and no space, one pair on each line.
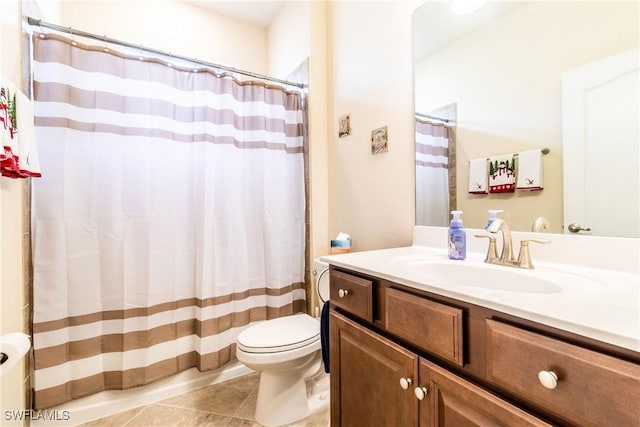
[323,285]
[281,334]
[322,280]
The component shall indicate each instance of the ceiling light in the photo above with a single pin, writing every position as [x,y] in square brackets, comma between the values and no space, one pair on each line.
[467,6]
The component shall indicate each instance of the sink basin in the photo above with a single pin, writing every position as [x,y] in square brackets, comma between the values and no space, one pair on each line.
[486,276]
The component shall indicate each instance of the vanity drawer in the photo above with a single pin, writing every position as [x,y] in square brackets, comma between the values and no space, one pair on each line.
[434,327]
[351,293]
[592,389]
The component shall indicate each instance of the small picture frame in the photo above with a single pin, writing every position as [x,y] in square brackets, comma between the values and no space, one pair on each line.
[344,126]
[380,140]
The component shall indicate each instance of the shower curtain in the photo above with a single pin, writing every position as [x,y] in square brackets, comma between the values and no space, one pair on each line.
[170,215]
[432,175]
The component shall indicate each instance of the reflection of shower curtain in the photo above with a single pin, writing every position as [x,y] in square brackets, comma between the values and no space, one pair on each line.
[432,180]
[169,216]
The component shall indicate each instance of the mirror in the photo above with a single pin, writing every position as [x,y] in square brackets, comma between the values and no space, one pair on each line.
[502,68]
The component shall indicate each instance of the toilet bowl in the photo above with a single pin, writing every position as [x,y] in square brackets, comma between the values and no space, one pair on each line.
[286,353]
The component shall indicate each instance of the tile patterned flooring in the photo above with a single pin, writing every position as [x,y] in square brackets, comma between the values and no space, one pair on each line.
[229,404]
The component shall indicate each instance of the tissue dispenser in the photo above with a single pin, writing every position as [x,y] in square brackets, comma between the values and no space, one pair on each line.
[13,347]
[340,246]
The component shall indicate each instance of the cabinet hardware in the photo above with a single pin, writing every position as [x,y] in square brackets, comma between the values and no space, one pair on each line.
[405,383]
[548,379]
[343,293]
[420,392]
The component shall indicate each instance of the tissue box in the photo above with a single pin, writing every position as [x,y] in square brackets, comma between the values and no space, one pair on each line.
[340,246]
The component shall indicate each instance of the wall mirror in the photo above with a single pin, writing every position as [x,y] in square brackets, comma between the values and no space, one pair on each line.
[516,73]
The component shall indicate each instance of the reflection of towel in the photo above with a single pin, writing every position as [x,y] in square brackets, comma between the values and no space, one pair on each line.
[530,170]
[502,174]
[324,335]
[478,176]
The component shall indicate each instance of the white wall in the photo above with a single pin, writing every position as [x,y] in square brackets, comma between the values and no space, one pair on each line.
[173,26]
[371,197]
[289,39]
[508,93]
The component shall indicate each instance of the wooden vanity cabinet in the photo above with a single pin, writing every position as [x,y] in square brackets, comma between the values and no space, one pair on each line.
[376,382]
[456,402]
[424,360]
[366,370]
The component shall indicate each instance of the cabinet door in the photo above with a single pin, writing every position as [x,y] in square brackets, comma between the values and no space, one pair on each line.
[455,402]
[366,374]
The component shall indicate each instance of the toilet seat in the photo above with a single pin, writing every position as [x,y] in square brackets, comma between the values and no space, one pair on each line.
[321,271]
[280,334]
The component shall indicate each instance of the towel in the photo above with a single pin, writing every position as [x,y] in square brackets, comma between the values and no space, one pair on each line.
[530,170]
[324,335]
[502,174]
[19,158]
[478,176]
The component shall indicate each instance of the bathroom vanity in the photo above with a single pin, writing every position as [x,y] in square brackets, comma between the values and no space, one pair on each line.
[406,350]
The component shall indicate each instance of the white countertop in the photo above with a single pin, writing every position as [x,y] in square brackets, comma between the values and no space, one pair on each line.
[600,304]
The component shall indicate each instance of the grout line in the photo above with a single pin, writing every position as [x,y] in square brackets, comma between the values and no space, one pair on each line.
[169,405]
[144,408]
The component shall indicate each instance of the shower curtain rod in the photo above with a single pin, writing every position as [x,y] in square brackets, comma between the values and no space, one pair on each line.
[426,116]
[39,23]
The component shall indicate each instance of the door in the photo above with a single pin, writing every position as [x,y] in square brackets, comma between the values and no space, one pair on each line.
[454,402]
[372,378]
[601,133]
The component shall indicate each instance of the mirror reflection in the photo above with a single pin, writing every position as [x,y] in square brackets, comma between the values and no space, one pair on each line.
[516,77]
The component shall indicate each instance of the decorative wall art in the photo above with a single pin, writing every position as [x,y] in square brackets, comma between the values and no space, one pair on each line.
[344,126]
[380,140]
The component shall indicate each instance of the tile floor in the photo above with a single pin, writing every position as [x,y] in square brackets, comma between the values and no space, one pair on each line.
[228,404]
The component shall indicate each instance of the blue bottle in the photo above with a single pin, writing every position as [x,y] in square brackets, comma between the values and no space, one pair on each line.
[457,237]
[493,215]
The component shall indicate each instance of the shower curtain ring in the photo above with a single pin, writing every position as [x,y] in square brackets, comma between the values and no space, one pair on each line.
[106,48]
[41,29]
[73,38]
[140,57]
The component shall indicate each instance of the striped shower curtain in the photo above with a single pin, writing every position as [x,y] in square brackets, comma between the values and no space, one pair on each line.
[170,215]
[432,173]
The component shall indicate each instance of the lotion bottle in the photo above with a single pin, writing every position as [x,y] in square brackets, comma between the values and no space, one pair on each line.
[457,238]
[493,215]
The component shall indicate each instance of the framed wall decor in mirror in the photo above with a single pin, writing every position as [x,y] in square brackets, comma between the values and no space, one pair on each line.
[521,77]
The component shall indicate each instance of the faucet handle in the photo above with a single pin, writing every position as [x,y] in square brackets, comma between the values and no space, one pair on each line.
[524,257]
[492,250]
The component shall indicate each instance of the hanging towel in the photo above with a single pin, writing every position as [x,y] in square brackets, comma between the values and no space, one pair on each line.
[478,176]
[530,175]
[502,174]
[324,335]
[19,158]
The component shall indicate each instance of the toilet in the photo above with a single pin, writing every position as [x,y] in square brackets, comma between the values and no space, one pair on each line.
[287,353]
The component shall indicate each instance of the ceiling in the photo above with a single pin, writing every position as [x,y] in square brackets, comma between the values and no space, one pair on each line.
[435,25]
[258,12]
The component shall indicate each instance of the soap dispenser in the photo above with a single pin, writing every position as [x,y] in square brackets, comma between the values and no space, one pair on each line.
[493,215]
[457,237]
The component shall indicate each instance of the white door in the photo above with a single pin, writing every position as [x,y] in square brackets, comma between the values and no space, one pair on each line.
[601,136]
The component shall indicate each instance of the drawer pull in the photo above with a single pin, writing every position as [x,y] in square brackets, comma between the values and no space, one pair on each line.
[343,293]
[548,379]
[405,383]
[421,392]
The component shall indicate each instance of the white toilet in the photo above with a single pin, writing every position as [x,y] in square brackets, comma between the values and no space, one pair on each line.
[286,352]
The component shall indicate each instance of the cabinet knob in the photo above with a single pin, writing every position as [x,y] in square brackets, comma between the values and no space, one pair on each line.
[548,379]
[405,383]
[343,293]
[420,392]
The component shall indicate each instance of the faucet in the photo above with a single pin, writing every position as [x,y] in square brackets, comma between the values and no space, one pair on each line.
[506,256]
[497,225]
